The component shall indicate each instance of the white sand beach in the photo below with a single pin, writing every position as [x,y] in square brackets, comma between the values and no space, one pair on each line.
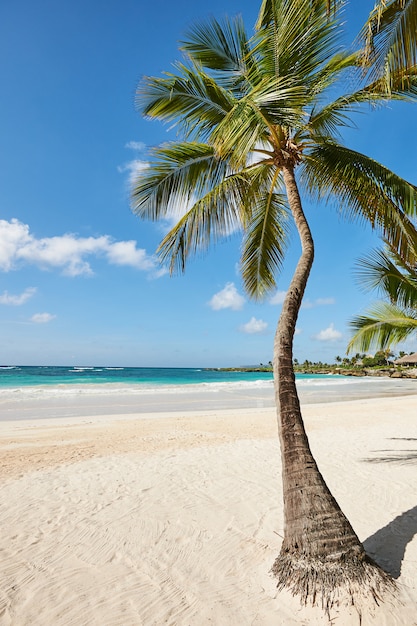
[176,518]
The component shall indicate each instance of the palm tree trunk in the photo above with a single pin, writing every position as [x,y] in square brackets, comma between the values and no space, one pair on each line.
[320,551]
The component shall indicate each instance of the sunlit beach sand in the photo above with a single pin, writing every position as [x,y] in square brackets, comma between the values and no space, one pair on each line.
[175,516]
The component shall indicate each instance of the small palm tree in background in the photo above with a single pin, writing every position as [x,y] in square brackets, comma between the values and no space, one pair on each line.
[393,319]
[259,120]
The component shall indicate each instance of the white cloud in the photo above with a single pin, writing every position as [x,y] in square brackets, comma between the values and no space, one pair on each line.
[13,236]
[254,326]
[324,301]
[278,297]
[67,252]
[227,298]
[133,168]
[136,145]
[126,253]
[42,318]
[308,304]
[17,300]
[328,334]
[298,331]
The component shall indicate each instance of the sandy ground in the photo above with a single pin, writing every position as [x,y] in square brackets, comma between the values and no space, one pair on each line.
[177,519]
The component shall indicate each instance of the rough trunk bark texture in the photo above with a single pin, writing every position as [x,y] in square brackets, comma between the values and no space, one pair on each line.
[320,553]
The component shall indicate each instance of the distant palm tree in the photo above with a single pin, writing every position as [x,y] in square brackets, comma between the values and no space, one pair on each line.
[395,319]
[259,126]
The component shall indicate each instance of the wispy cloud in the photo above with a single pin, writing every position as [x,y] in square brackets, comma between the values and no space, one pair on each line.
[17,300]
[254,327]
[328,334]
[68,252]
[309,304]
[278,297]
[227,298]
[133,168]
[42,318]
[324,301]
[139,146]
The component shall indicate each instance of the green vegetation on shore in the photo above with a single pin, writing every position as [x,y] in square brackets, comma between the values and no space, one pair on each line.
[381,364]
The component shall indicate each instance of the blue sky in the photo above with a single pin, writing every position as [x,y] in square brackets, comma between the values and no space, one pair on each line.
[79,282]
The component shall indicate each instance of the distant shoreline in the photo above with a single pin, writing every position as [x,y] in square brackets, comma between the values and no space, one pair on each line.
[390,372]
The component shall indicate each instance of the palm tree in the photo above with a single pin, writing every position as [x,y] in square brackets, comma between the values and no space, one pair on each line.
[394,319]
[258,127]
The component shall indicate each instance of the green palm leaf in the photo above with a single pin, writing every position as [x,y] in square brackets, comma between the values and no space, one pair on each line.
[216,215]
[365,189]
[221,46]
[266,235]
[385,271]
[383,325]
[332,117]
[180,173]
[191,98]
[390,36]
[270,9]
[255,117]
[305,38]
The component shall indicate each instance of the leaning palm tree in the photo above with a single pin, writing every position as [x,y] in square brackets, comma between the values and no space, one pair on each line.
[393,319]
[258,128]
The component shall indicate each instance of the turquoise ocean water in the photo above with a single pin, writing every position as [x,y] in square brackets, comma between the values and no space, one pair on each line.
[39,392]
[23,376]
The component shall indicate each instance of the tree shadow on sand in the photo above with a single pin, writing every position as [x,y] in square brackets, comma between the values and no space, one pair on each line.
[388,545]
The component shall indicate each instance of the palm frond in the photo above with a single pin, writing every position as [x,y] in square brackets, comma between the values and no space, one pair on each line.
[365,189]
[304,37]
[269,10]
[381,270]
[190,98]
[335,115]
[265,239]
[253,118]
[329,120]
[214,216]
[400,83]
[339,65]
[383,325]
[221,46]
[179,174]
[390,36]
